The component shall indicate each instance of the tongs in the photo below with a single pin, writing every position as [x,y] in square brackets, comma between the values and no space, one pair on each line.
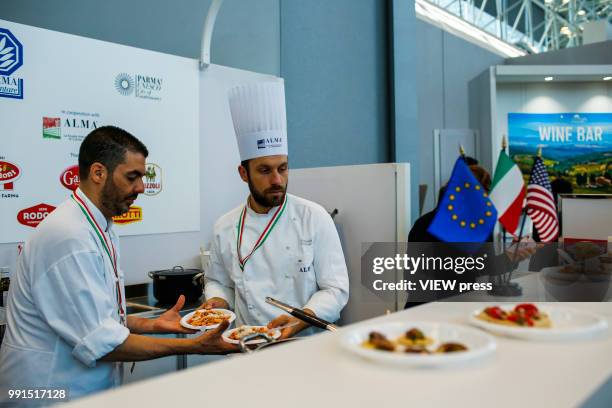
[243,341]
[302,315]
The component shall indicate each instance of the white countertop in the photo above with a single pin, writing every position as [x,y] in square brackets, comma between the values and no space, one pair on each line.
[555,374]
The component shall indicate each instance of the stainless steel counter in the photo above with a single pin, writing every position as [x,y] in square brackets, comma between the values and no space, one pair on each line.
[141,302]
[146,306]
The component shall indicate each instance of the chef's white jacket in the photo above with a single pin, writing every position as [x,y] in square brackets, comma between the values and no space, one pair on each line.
[301,263]
[62,308]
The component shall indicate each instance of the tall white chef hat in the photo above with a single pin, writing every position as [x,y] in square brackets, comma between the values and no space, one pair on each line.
[260,119]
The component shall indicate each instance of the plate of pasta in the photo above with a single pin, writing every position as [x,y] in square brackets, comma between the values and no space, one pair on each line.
[206,319]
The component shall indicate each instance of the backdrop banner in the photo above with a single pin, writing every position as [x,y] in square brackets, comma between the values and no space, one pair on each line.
[575,146]
[55,88]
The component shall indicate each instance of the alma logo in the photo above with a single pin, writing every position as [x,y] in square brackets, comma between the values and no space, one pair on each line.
[70,178]
[9,172]
[269,142]
[33,216]
[11,59]
[80,123]
[11,52]
[134,214]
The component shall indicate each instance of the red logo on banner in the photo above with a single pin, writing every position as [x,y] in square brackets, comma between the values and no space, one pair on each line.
[33,216]
[9,172]
[70,178]
[134,214]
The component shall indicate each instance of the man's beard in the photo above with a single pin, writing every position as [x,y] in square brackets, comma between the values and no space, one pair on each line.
[113,201]
[268,201]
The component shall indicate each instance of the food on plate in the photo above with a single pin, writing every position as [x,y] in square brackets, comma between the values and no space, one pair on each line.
[450,348]
[417,350]
[605,266]
[523,315]
[378,341]
[600,267]
[205,317]
[602,270]
[414,341]
[243,331]
[585,250]
[414,337]
[571,269]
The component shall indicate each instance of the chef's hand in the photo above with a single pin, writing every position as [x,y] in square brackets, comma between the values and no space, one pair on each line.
[285,319]
[215,303]
[211,342]
[170,321]
[526,248]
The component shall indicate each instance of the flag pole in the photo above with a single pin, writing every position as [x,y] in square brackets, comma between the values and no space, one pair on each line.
[524,215]
[518,242]
[503,148]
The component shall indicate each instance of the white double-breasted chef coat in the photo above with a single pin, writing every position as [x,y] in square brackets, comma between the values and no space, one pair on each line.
[63,307]
[301,263]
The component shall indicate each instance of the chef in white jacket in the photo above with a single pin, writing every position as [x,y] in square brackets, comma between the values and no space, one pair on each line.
[67,326]
[275,244]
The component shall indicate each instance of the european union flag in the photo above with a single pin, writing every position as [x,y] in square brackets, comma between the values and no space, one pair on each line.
[465,213]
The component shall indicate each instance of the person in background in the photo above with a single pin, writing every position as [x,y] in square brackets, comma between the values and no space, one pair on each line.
[419,234]
[547,255]
[275,244]
[67,326]
[560,186]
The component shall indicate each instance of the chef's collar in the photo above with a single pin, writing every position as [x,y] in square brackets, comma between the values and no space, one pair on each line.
[95,211]
[254,213]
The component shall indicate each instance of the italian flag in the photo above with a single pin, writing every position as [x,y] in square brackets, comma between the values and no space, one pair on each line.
[508,192]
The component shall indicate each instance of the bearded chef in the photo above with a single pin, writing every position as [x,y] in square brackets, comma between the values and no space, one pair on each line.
[275,244]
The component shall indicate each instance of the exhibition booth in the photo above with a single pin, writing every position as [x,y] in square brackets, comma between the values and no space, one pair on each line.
[56,88]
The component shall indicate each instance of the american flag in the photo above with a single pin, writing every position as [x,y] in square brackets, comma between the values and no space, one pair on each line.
[540,203]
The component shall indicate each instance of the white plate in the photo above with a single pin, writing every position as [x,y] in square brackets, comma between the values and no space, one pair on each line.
[275,334]
[185,318]
[554,272]
[479,344]
[567,324]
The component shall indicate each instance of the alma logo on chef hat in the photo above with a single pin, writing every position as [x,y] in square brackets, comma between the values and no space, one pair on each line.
[269,142]
[11,59]
[31,217]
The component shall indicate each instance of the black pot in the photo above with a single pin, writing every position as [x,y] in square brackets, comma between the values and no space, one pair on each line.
[169,284]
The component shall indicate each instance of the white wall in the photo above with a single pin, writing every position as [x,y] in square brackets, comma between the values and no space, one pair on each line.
[220,186]
[586,97]
[446,64]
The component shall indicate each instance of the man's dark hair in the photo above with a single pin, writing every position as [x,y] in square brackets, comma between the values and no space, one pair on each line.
[470,161]
[245,164]
[561,186]
[107,145]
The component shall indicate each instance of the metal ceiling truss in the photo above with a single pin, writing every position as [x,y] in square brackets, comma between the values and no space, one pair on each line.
[533,25]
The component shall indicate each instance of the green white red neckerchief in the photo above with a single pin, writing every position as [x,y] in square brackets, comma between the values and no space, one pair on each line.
[108,249]
[262,238]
